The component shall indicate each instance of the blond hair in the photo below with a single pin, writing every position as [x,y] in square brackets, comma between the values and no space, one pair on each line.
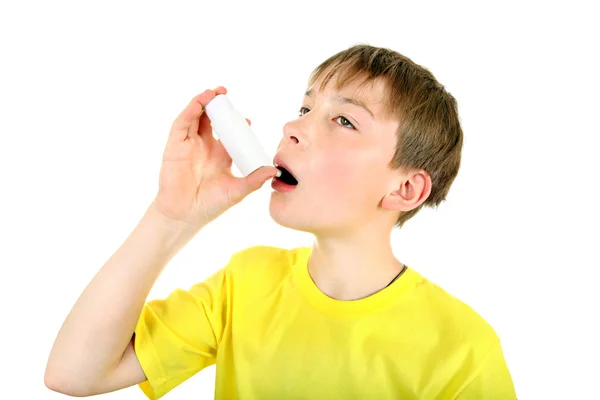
[429,136]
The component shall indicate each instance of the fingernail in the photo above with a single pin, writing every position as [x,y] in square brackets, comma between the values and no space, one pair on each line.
[278,174]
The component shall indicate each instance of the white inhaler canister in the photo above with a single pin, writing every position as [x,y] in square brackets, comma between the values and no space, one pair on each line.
[234,132]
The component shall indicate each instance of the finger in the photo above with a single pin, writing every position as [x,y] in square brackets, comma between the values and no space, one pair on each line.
[252,182]
[197,126]
[204,123]
[249,122]
[188,119]
[205,126]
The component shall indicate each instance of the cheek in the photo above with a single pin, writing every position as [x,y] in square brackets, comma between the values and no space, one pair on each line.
[351,173]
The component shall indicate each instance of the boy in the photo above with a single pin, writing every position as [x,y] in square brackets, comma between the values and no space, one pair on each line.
[377,138]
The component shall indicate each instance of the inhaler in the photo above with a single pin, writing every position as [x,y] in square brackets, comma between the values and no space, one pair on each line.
[234,132]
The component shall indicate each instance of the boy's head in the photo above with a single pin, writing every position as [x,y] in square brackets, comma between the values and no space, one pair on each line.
[377,138]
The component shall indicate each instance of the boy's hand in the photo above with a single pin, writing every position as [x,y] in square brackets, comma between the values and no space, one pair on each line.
[196,184]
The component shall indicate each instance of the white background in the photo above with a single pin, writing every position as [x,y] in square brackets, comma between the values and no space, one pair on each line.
[89,91]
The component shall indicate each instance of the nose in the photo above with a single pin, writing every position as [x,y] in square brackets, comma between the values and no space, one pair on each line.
[295,132]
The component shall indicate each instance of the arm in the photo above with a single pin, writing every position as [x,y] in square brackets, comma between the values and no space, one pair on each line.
[93,352]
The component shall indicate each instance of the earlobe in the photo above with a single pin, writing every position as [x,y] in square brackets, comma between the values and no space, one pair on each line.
[410,193]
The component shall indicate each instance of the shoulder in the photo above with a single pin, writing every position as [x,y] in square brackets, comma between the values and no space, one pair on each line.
[452,313]
[262,263]
[261,257]
[451,329]
[459,340]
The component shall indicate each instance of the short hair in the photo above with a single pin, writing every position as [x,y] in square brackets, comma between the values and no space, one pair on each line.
[429,136]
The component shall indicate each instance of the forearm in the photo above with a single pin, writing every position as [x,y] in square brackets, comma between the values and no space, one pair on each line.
[99,327]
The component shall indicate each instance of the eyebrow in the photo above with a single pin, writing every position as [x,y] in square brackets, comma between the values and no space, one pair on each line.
[346,100]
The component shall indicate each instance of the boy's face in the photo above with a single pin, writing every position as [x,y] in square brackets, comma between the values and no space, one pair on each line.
[339,151]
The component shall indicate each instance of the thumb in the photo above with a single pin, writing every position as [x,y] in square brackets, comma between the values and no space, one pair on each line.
[253,182]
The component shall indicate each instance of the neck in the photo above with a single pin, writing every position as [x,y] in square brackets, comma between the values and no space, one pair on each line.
[353,266]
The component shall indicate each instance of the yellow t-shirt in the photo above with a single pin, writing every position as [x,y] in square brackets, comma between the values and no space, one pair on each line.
[274,335]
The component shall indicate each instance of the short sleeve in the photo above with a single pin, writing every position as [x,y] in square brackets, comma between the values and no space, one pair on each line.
[178,336]
[492,382]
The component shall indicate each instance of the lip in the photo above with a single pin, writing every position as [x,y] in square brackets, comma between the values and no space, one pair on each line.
[279,162]
[281,187]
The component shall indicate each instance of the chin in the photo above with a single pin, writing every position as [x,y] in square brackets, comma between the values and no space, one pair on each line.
[299,218]
[288,216]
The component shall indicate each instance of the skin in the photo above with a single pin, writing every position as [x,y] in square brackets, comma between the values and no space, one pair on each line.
[348,197]
[94,349]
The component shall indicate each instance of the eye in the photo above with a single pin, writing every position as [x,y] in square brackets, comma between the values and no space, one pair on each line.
[344,122]
[303,110]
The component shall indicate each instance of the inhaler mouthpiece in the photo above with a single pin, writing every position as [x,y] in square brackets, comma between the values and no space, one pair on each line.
[234,132]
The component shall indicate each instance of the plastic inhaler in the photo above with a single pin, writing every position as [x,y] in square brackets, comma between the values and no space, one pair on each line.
[234,132]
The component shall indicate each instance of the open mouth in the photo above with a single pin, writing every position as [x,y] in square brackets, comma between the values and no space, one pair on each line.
[287,177]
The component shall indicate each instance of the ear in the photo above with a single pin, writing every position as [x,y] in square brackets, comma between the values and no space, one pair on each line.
[408,191]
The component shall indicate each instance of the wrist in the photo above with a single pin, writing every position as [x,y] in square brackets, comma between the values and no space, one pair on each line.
[172,231]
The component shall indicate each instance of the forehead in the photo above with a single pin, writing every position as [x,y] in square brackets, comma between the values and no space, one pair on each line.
[372,92]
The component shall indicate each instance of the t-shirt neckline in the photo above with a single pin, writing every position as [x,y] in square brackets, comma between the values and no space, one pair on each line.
[348,308]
